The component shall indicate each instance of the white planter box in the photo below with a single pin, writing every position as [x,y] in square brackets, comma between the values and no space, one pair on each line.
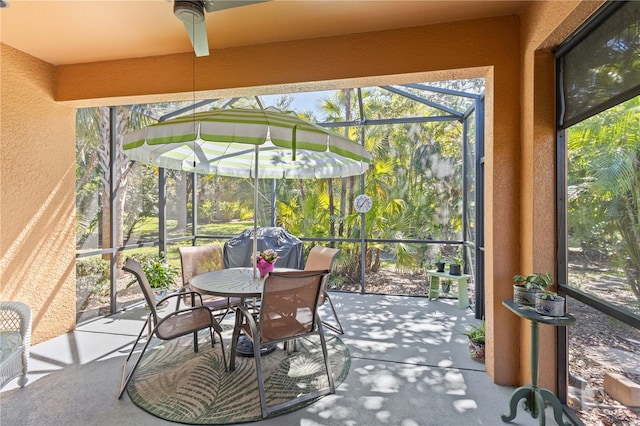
[549,307]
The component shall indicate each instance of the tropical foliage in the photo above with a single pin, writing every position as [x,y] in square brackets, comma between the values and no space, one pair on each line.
[415,181]
[604,190]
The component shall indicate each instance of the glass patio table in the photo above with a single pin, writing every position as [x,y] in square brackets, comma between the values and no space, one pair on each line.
[230,282]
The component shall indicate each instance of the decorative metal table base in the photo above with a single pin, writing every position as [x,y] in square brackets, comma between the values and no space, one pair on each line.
[534,402]
[535,398]
[245,347]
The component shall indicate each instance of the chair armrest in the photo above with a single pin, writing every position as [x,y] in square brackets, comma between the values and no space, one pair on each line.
[180,294]
[242,311]
[24,313]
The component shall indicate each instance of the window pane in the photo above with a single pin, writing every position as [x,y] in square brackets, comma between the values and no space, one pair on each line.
[179,205]
[225,205]
[92,287]
[604,66]
[603,204]
[90,168]
[600,346]
[140,210]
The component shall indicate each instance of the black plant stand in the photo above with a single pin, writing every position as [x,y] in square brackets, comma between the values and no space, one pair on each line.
[535,397]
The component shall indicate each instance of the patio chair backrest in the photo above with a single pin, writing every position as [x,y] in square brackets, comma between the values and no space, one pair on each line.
[134,267]
[288,307]
[322,258]
[198,260]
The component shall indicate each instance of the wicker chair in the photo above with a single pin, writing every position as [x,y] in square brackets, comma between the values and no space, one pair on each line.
[324,258]
[15,342]
[288,310]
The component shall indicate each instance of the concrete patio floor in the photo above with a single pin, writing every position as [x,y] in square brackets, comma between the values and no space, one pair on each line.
[408,367]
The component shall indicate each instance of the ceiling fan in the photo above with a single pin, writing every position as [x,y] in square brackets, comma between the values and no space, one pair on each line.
[191,13]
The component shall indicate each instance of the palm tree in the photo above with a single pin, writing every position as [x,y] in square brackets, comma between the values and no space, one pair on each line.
[93,163]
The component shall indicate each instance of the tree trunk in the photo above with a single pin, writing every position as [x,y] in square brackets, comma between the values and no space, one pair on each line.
[122,167]
[347,196]
[332,208]
[182,197]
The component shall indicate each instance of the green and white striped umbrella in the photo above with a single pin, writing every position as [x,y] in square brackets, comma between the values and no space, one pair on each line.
[249,143]
[237,142]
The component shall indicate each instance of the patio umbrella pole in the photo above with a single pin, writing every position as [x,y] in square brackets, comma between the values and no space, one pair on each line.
[255,212]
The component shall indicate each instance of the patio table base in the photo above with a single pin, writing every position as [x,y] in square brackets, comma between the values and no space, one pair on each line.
[245,347]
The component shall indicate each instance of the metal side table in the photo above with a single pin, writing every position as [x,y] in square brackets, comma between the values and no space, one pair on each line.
[535,397]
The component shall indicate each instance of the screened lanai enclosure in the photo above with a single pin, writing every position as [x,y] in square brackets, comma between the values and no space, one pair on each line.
[425,181]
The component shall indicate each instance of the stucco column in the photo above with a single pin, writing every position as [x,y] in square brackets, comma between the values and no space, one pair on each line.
[37,195]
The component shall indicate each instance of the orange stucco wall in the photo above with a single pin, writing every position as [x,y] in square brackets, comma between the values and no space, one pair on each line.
[511,53]
[37,199]
[290,65]
[544,26]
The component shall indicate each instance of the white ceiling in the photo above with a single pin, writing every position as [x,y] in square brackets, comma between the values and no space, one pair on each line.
[77,31]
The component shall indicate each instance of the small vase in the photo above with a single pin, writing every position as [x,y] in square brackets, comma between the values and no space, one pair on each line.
[440,267]
[264,268]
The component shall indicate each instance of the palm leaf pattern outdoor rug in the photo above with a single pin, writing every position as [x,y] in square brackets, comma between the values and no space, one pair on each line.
[176,384]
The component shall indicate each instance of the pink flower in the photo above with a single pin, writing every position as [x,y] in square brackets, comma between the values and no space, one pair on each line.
[268,256]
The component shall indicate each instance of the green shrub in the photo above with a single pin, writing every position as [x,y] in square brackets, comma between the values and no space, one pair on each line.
[206,211]
[160,274]
[229,211]
[93,265]
[94,273]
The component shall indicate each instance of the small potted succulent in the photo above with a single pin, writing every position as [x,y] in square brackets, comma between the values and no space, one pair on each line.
[526,287]
[455,267]
[549,303]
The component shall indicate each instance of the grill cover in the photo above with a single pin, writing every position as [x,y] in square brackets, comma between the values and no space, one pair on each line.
[238,250]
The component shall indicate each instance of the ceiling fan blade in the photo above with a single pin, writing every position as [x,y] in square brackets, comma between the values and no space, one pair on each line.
[198,36]
[211,6]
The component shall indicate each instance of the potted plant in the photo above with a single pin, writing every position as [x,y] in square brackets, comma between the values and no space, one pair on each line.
[455,267]
[549,303]
[476,336]
[446,286]
[265,261]
[526,287]
[439,261]
[160,274]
